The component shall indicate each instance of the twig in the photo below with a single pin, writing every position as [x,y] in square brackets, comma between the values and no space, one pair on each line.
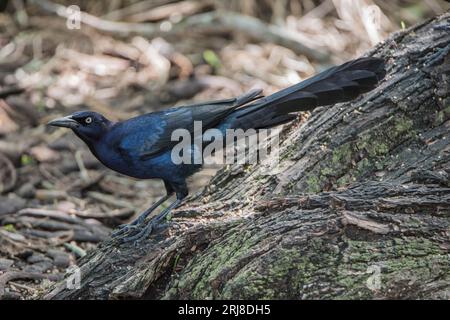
[110,200]
[184,8]
[113,214]
[75,249]
[98,23]
[71,222]
[58,237]
[53,214]
[7,170]
[46,195]
[75,235]
[10,91]
[214,21]
[22,286]
[83,172]
[13,275]
[132,9]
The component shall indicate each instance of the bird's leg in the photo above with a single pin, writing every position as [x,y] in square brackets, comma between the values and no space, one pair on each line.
[124,228]
[182,193]
[142,234]
[140,219]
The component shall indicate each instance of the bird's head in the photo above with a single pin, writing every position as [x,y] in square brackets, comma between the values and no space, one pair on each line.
[88,125]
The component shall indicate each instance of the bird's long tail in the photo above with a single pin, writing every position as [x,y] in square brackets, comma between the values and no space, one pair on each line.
[337,84]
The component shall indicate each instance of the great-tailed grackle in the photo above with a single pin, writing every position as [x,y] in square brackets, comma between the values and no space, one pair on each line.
[141,147]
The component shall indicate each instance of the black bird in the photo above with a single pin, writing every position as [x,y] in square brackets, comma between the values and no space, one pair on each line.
[141,147]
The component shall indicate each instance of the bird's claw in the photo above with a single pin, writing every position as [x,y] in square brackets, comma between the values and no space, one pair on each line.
[140,234]
[124,229]
[138,230]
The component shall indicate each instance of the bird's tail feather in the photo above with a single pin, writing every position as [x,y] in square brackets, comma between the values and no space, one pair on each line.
[337,84]
[248,97]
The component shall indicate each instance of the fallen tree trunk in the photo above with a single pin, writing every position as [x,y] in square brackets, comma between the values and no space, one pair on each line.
[358,206]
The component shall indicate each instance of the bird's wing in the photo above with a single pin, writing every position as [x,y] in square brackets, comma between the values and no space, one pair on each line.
[151,134]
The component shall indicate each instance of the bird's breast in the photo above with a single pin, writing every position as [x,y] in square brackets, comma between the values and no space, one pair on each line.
[129,164]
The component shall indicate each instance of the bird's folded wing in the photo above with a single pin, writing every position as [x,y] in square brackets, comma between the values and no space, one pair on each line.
[152,133]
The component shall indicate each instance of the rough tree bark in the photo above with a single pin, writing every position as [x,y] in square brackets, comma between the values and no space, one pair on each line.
[361,194]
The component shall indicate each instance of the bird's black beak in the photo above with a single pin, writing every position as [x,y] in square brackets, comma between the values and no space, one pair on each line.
[66,122]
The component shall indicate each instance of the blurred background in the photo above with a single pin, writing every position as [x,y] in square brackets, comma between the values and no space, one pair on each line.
[123,58]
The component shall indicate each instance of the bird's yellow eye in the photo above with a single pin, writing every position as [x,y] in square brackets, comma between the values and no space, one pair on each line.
[88,120]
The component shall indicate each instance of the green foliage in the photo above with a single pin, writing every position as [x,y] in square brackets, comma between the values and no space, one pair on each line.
[26,160]
[9,228]
[211,58]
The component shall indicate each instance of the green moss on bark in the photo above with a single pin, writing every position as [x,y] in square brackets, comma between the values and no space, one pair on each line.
[362,157]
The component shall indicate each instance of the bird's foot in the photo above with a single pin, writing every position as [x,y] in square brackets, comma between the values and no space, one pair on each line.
[139,233]
[124,229]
